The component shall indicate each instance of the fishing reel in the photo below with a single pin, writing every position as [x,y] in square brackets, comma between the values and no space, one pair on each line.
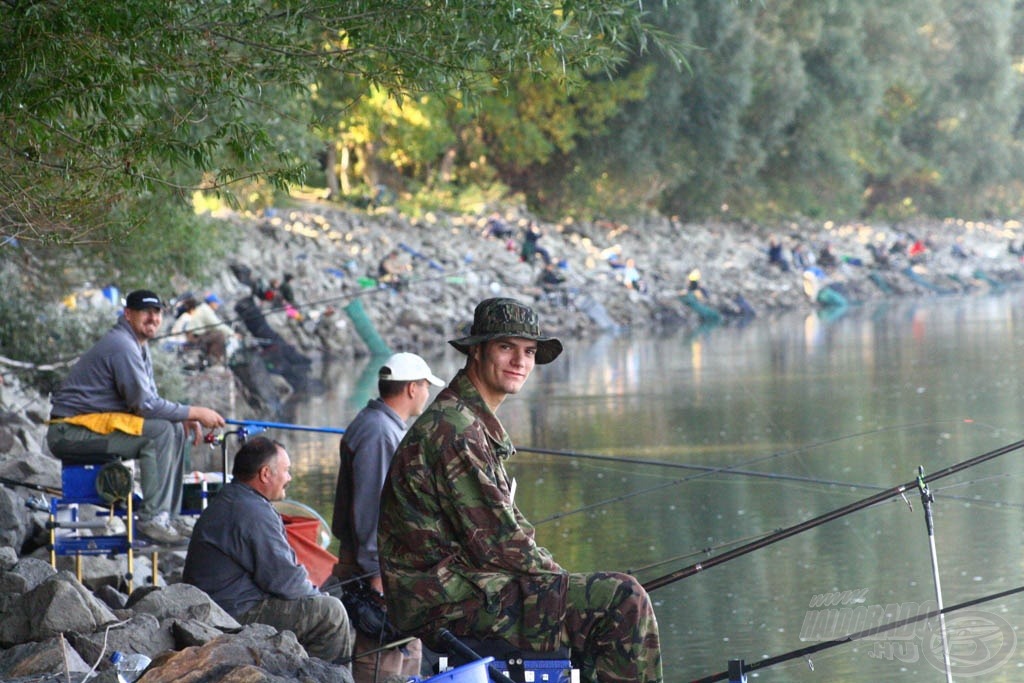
[219,439]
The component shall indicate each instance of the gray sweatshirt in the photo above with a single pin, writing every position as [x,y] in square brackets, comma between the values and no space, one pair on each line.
[115,375]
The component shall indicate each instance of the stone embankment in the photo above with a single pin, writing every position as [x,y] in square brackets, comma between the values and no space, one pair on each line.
[453,264]
[54,628]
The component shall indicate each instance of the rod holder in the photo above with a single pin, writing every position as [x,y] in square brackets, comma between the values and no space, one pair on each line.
[737,669]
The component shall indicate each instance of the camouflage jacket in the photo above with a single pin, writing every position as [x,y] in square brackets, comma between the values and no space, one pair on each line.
[453,545]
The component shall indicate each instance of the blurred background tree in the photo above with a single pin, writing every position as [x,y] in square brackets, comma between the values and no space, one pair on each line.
[111,110]
[114,116]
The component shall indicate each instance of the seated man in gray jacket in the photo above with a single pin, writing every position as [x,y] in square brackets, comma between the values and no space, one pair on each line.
[239,555]
[109,405]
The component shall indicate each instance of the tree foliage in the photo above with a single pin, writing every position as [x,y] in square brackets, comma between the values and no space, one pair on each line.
[831,109]
[102,102]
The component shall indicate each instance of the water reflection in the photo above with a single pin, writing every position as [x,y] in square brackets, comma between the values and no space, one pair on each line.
[863,399]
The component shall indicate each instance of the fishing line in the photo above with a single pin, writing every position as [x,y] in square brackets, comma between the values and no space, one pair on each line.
[707,550]
[703,551]
[676,482]
[828,516]
[860,635]
[707,470]
[770,475]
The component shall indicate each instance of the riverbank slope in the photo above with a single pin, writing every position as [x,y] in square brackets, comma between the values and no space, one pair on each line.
[452,263]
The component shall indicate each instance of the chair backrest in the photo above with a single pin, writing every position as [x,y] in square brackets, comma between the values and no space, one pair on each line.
[95,483]
[78,484]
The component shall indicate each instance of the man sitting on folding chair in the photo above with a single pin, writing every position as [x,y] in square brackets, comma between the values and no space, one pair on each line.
[108,408]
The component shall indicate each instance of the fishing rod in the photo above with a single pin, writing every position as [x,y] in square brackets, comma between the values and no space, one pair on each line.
[11,483]
[707,550]
[401,642]
[827,517]
[803,652]
[285,425]
[63,363]
[708,470]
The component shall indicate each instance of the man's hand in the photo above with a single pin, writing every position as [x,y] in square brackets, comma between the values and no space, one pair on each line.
[207,417]
[199,417]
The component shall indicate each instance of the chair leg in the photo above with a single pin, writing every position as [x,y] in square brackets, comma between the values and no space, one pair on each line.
[130,532]
[53,533]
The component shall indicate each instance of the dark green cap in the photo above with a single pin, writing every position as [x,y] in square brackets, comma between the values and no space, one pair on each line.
[498,318]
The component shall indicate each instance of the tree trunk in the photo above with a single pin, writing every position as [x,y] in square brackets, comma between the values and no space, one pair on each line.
[447,164]
[346,162]
[331,169]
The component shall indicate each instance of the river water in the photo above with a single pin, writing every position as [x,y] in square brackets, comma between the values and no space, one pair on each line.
[676,448]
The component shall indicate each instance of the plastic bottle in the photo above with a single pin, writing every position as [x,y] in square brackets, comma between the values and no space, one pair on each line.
[129,667]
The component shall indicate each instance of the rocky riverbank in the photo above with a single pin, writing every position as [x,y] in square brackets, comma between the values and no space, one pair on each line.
[54,628]
[453,263]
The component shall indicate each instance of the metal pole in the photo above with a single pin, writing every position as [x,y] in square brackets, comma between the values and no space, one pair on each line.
[926,502]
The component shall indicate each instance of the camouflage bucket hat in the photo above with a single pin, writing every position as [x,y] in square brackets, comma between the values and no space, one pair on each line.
[497,318]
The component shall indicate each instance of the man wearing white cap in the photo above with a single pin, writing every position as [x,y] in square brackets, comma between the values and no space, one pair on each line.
[367,447]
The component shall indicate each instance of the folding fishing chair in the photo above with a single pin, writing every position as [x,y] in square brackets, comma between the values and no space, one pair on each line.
[101,480]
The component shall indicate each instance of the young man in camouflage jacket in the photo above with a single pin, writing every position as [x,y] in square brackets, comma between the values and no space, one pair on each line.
[457,553]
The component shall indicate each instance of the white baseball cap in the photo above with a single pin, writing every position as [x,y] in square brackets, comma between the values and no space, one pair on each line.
[407,367]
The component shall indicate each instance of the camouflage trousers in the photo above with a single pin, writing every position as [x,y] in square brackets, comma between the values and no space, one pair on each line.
[610,626]
[319,623]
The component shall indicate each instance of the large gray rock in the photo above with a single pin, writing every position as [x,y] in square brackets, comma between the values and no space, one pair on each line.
[192,633]
[142,633]
[33,570]
[182,601]
[50,656]
[58,605]
[17,522]
[12,587]
[8,558]
[111,597]
[31,466]
[258,653]
[14,518]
